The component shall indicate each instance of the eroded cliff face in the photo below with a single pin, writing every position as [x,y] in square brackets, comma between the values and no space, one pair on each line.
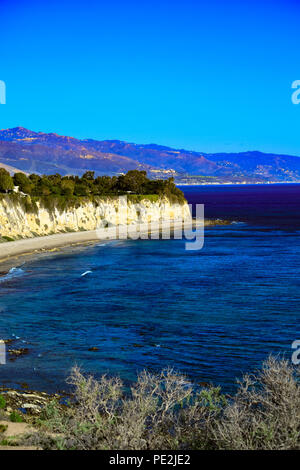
[17,222]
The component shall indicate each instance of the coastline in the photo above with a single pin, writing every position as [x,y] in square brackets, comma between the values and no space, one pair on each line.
[48,244]
[231,183]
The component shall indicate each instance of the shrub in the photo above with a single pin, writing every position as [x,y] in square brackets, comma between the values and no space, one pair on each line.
[265,412]
[7,238]
[16,417]
[6,181]
[3,428]
[164,411]
[2,402]
[8,442]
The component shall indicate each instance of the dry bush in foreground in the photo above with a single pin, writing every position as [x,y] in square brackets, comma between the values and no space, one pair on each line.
[163,411]
[265,412]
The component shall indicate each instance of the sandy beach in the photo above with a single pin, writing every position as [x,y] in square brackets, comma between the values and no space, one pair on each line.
[14,249]
[30,246]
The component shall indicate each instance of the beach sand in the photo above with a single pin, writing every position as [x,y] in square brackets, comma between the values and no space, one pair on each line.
[9,251]
[51,242]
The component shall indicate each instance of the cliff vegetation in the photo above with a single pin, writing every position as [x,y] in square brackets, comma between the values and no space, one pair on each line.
[36,205]
[61,192]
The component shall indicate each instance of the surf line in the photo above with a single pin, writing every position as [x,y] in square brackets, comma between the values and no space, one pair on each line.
[85,273]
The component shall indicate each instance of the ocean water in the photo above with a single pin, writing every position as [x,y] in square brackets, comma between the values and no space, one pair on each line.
[212,314]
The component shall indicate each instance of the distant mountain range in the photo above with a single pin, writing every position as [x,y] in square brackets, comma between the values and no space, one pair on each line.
[37,152]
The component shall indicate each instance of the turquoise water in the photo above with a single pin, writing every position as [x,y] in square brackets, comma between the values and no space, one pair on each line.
[212,314]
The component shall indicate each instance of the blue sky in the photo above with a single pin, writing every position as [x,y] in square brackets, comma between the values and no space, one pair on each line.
[205,75]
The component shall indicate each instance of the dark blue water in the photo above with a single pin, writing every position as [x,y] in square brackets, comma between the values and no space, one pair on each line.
[212,314]
[277,205]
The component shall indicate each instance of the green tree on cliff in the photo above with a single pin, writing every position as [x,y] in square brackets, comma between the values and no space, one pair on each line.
[133,181]
[23,182]
[60,188]
[67,187]
[6,181]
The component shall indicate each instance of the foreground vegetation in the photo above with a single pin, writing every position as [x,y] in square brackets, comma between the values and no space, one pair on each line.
[164,411]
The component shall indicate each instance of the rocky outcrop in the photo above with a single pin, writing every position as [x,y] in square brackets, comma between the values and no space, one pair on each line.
[18,222]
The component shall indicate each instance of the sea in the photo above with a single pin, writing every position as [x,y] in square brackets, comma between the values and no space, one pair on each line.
[212,314]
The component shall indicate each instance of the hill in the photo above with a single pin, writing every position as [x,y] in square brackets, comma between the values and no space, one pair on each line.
[50,153]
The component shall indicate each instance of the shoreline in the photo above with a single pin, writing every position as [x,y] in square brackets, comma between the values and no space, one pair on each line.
[53,243]
[16,253]
[178,184]
[48,244]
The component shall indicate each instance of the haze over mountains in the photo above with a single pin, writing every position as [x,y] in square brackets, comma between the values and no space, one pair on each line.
[37,152]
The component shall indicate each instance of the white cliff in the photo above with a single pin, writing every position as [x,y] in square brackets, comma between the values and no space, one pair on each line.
[20,220]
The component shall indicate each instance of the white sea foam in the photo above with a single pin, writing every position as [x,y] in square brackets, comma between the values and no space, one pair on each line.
[85,273]
[13,272]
